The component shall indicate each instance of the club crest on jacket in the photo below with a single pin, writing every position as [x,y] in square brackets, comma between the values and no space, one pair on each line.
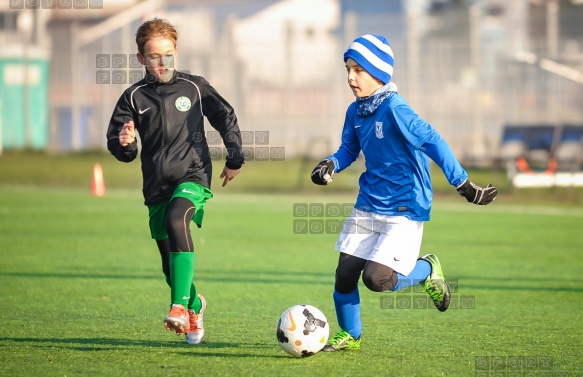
[183,103]
[379,129]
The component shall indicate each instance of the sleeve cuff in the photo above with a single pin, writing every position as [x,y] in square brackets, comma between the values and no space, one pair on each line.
[461,184]
[335,161]
[233,166]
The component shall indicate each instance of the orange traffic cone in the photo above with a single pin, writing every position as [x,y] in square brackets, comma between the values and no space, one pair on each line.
[97,183]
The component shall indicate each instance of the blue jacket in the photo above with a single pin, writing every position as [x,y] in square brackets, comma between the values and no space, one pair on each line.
[395,142]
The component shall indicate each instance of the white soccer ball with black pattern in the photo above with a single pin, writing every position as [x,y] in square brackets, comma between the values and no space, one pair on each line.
[302,330]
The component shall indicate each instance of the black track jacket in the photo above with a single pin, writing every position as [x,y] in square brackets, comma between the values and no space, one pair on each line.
[168,118]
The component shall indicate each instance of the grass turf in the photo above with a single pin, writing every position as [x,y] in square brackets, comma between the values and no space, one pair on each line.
[82,293]
[287,177]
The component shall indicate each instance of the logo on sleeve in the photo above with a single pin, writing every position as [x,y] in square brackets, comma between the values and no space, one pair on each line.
[183,103]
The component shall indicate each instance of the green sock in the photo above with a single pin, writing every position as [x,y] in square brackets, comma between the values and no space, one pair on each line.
[194,302]
[181,275]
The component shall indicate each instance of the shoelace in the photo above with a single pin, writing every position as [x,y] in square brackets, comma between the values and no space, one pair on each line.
[430,288]
[339,337]
[193,321]
[176,311]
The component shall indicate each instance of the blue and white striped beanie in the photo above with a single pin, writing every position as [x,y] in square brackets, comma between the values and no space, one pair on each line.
[374,54]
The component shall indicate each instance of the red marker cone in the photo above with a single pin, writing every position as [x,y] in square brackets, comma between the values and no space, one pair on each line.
[97,183]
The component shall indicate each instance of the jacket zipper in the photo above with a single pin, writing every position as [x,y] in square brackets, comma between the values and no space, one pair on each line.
[164,134]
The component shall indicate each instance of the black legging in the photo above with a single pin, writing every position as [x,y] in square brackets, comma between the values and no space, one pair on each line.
[178,217]
[375,276]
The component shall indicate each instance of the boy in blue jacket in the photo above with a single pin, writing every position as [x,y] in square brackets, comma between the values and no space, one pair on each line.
[381,239]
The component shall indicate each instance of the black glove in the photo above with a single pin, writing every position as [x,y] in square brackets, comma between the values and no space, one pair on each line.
[476,194]
[320,171]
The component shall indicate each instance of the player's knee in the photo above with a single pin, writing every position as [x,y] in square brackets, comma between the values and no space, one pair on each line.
[379,279]
[374,284]
[346,280]
[175,222]
[179,214]
[345,285]
[348,273]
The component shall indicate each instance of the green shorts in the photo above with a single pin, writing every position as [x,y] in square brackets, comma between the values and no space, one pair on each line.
[194,192]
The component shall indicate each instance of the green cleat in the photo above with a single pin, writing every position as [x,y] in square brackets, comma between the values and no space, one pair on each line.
[342,341]
[435,284]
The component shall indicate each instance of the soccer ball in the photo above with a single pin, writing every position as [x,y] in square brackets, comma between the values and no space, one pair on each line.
[302,330]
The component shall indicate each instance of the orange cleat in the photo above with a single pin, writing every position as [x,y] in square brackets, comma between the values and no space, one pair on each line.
[177,320]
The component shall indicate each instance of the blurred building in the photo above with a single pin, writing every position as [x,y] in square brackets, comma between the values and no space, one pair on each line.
[469,67]
[35,62]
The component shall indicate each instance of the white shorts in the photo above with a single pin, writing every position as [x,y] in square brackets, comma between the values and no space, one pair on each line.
[393,241]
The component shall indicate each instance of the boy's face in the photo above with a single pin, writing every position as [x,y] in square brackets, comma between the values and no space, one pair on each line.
[159,58]
[360,81]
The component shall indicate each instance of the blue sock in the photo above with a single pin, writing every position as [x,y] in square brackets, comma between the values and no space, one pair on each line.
[420,272]
[348,312]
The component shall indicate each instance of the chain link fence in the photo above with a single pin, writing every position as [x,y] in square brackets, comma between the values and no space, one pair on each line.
[460,69]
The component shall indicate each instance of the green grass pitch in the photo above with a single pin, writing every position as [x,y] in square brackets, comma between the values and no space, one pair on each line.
[82,293]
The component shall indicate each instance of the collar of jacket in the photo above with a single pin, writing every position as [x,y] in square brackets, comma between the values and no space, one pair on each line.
[367,105]
[152,80]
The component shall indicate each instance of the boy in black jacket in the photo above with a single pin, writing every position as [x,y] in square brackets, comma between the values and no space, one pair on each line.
[166,109]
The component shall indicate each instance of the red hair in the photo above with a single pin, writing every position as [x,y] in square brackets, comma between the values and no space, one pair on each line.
[153,28]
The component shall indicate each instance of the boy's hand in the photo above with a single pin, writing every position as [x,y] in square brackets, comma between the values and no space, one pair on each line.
[228,175]
[127,134]
[322,173]
[476,194]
